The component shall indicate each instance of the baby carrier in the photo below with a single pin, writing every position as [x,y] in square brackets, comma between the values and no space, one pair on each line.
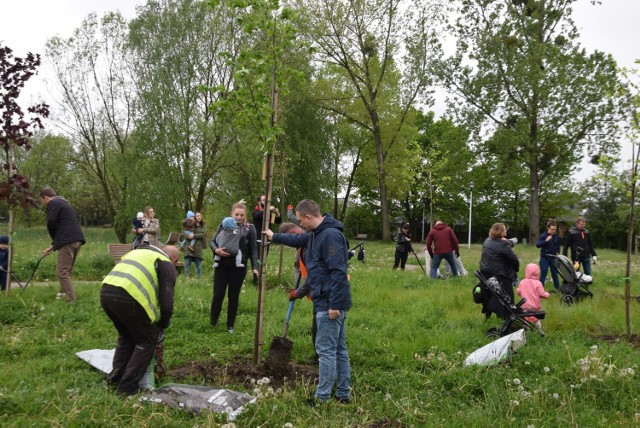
[491,296]
[575,284]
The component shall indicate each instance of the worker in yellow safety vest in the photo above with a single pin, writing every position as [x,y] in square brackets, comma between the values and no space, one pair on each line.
[137,295]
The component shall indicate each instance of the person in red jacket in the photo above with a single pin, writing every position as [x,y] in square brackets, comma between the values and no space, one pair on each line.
[442,244]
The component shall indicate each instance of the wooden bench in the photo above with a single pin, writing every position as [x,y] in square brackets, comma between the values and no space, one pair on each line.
[361,236]
[116,251]
[173,238]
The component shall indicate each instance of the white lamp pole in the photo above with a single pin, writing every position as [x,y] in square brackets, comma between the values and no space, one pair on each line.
[470,209]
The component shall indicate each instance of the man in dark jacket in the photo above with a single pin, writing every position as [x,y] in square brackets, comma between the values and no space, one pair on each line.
[67,238]
[403,247]
[326,261]
[137,295]
[258,215]
[442,244]
[579,240]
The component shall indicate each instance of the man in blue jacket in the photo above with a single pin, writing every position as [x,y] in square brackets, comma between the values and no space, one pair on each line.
[326,261]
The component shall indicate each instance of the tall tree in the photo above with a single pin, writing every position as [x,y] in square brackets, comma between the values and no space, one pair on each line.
[520,75]
[186,54]
[16,130]
[382,50]
[96,107]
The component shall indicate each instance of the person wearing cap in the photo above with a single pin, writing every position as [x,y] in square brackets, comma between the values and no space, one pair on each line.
[137,296]
[403,247]
[67,238]
[4,261]
[442,244]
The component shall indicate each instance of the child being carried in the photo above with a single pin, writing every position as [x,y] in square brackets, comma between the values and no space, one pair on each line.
[138,224]
[188,231]
[229,239]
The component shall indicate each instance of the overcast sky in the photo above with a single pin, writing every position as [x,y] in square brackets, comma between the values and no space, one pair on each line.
[27,24]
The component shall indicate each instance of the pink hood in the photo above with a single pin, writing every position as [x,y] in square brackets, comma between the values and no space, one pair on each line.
[532,271]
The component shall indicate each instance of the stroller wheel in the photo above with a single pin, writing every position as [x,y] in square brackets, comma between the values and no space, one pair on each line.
[493,333]
[567,300]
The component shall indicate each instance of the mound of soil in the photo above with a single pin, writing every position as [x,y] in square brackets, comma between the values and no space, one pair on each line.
[633,340]
[241,370]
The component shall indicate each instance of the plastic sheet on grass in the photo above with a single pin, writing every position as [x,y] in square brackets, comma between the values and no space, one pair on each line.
[101,359]
[497,350]
[196,399]
[191,398]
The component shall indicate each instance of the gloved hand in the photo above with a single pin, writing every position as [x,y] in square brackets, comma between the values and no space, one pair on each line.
[594,259]
[293,295]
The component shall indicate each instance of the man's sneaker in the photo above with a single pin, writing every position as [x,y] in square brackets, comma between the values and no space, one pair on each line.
[341,400]
[311,402]
[230,330]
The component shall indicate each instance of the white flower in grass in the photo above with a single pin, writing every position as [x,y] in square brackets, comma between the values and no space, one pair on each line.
[520,388]
[593,377]
[387,397]
[531,426]
[266,380]
[516,381]
[514,402]
[546,369]
[228,410]
[555,396]
[527,363]
[287,425]
[630,371]
[594,349]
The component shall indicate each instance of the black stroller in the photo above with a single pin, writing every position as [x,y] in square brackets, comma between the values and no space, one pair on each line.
[575,285]
[489,293]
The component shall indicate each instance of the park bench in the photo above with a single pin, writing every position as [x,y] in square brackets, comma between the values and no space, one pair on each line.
[116,251]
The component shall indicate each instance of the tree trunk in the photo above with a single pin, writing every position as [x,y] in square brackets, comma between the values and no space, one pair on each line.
[384,206]
[534,206]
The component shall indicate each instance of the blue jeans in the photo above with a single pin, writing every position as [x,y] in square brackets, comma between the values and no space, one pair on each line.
[331,348]
[545,265]
[586,265]
[187,265]
[435,264]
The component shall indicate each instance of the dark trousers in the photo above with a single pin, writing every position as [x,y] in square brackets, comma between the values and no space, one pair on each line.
[401,259]
[227,274]
[136,342]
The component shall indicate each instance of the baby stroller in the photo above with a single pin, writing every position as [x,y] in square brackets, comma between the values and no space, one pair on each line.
[489,293]
[575,284]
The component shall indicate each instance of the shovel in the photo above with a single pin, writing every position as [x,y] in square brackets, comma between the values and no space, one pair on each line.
[280,351]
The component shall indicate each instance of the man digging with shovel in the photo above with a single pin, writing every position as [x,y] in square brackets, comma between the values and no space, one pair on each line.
[326,260]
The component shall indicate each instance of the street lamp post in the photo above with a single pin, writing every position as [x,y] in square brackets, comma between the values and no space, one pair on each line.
[470,209]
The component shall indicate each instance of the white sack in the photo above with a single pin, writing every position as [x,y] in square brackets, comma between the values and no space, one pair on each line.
[497,350]
[101,359]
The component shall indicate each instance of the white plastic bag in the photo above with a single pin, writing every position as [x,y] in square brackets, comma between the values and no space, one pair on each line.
[497,350]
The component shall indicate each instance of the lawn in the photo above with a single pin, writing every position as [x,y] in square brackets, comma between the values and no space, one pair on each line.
[407,335]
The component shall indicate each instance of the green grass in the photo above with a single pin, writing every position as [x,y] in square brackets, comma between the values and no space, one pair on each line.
[407,335]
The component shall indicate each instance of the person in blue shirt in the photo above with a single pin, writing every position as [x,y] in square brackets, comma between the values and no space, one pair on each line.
[549,244]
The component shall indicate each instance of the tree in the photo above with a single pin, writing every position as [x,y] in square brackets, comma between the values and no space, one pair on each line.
[381,51]
[186,54]
[97,103]
[17,129]
[520,75]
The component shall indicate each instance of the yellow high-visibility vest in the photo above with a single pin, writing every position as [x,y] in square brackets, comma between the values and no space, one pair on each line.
[136,273]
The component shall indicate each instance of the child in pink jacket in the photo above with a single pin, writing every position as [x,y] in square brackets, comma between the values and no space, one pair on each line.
[531,289]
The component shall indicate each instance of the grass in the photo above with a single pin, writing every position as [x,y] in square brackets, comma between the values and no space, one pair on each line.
[408,337]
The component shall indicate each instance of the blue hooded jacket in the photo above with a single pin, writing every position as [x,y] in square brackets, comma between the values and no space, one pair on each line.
[326,260]
[548,248]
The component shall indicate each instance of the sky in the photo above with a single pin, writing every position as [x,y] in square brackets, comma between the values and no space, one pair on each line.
[26,25]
